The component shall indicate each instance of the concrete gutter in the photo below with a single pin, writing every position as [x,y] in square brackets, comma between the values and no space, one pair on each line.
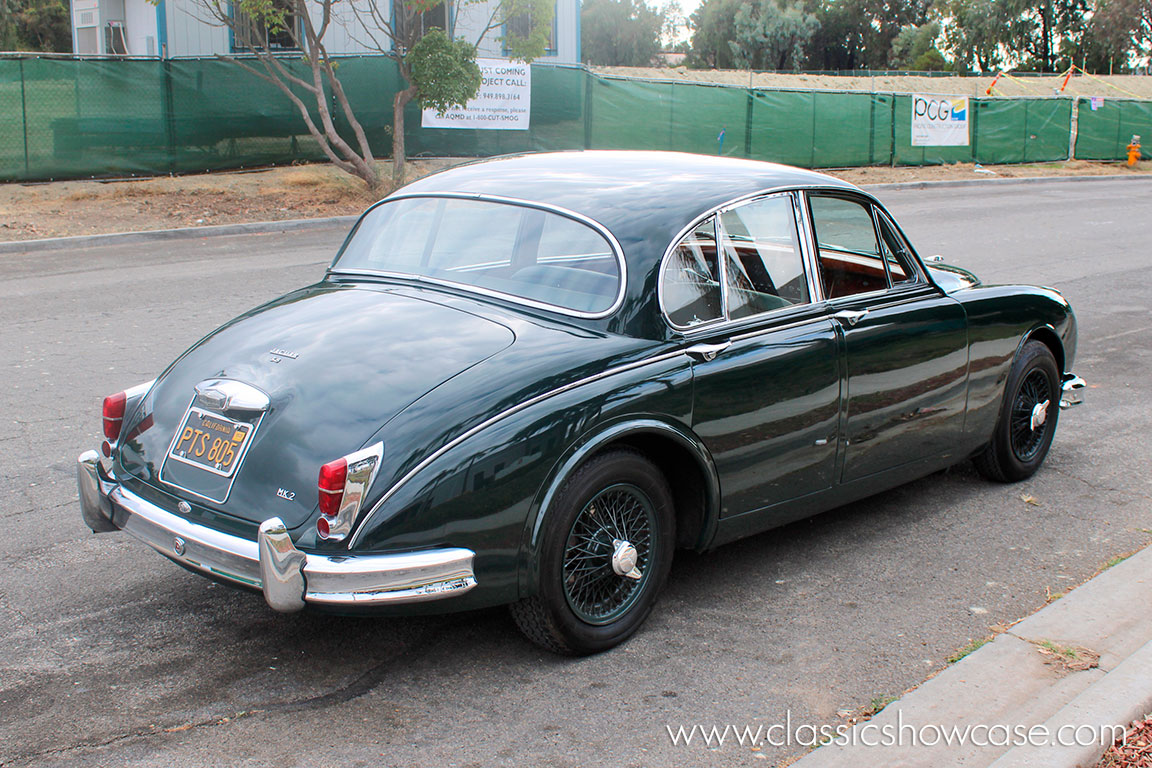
[1010,683]
[1007,181]
[187,233]
[294,225]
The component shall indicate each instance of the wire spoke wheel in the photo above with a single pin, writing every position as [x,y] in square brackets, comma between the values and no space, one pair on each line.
[608,552]
[1028,417]
[1030,411]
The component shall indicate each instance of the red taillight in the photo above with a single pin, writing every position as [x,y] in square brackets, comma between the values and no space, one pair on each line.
[114,414]
[331,484]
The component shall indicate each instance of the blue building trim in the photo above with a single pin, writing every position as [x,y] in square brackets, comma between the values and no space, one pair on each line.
[161,29]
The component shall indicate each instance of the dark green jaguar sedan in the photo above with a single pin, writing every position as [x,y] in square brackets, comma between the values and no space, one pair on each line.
[529,380]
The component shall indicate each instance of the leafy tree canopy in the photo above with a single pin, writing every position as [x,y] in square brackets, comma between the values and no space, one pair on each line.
[35,25]
[772,34]
[620,33]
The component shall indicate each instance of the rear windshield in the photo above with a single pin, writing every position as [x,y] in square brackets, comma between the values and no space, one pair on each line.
[514,250]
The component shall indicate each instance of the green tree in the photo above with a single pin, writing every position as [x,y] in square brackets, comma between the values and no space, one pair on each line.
[440,71]
[713,25]
[35,25]
[915,48]
[620,33]
[772,34]
[1118,31]
[978,32]
[859,33]
[1041,25]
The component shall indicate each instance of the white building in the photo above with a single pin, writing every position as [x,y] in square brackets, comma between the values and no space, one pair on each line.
[170,28]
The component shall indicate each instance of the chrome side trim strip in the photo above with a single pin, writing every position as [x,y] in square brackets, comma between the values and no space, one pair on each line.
[363,526]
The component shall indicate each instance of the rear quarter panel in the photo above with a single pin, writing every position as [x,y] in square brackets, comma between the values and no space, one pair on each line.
[485,492]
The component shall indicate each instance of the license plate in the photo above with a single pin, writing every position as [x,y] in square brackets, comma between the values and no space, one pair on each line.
[211,441]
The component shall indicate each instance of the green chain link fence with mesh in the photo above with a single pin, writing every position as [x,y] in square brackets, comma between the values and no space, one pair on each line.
[66,118]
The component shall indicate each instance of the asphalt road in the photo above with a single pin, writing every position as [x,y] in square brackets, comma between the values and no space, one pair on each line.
[111,655]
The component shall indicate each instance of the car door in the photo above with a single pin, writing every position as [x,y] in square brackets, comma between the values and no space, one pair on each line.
[905,342]
[766,361]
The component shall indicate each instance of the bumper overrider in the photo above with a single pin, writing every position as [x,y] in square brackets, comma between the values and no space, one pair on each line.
[288,577]
[1070,386]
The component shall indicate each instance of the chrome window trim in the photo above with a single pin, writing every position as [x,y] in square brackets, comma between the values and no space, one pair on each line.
[876,208]
[896,292]
[724,321]
[511,411]
[882,214]
[808,245]
[600,229]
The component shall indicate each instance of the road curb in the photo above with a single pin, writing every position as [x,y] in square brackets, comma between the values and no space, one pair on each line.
[185,233]
[1121,696]
[1005,181]
[293,225]
[1009,683]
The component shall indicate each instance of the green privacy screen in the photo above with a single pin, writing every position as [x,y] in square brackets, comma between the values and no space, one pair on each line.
[76,118]
[1103,132]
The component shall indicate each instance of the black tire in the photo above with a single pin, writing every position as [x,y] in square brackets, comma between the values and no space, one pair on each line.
[584,604]
[1019,445]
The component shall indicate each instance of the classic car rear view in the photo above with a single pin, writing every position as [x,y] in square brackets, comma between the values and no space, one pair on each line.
[527,381]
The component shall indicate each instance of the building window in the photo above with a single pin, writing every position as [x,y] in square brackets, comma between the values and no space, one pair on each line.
[521,24]
[406,21]
[253,34]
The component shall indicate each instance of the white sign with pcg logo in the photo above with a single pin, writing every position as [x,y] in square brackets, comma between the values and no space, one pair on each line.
[939,121]
[503,102]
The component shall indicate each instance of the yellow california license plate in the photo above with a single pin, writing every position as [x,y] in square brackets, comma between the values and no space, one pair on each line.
[211,441]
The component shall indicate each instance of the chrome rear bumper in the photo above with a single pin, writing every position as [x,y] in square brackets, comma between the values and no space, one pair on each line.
[289,578]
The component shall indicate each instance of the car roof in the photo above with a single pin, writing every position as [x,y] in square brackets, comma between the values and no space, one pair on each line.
[636,195]
[645,199]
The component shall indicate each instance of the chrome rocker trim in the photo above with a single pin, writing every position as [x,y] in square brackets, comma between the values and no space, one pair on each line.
[1070,387]
[288,577]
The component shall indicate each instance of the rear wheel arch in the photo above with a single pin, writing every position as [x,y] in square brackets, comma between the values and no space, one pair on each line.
[683,460]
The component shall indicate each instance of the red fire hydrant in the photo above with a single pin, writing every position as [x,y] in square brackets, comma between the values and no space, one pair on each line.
[1134,151]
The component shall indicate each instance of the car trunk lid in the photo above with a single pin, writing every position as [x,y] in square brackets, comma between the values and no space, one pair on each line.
[294,384]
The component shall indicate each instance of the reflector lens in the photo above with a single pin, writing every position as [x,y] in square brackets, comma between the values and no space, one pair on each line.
[331,485]
[114,414]
[322,527]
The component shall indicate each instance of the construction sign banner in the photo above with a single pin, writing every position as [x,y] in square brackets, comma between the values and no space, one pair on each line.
[939,121]
[503,102]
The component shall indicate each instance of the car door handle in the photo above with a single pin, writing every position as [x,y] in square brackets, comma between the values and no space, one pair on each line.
[702,353]
[850,316]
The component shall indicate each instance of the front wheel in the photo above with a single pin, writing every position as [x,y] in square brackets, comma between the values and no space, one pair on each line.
[604,556]
[1027,420]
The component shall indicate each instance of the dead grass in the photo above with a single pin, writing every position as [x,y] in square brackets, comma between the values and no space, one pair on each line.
[59,209]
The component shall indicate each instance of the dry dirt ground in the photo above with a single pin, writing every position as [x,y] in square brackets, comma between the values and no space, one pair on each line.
[1107,86]
[59,209]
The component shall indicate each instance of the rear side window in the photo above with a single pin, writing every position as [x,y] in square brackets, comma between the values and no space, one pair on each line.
[741,263]
[690,279]
[516,251]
